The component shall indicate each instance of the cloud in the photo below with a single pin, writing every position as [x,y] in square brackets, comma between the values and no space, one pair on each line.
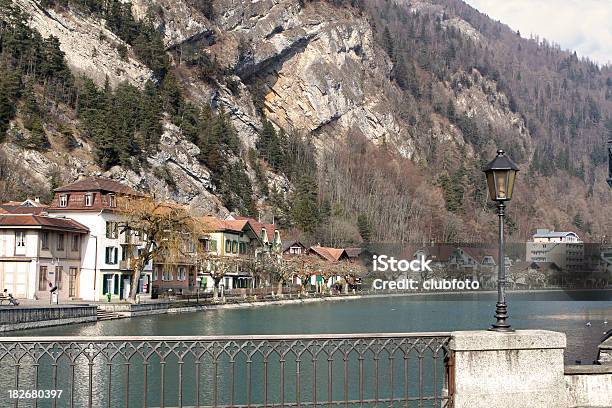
[581,25]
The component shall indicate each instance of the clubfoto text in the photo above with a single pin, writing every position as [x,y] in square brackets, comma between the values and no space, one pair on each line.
[431,284]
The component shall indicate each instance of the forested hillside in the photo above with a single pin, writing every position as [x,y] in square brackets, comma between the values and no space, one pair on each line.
[344,121]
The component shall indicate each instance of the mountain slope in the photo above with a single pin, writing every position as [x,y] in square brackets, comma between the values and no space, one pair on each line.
[344,119]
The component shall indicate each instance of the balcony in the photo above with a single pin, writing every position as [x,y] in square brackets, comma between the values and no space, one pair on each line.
[125,265]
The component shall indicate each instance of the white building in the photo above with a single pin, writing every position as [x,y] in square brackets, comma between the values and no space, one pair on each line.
[107,248]
[564,248]
[39,252]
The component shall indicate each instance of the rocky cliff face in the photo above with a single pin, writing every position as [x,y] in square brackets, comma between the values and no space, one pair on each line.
[322,71]
[91,49]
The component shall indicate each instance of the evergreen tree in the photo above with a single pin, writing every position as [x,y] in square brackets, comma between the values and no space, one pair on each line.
[305,209]
[387,43]
[365,228]
[578,222]
[271,145]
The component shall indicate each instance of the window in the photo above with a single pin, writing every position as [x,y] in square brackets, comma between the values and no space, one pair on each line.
[242,248]
[44,240]
[167,275]
[212,245]
[112,230]
[181,273]
[20,240]
[235,247]
[111,200]
[58,276]
[42,278]
[60,242]
[88,200]
[72,282]
[155,274]
[228,246]
[111,255]
[75,242]
[63,200]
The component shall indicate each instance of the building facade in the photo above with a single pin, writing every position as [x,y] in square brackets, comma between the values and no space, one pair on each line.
[38,253]
[108,246]
[234,239]
[565,249]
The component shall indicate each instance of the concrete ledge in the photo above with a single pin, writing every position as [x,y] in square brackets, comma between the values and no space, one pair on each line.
[483,340]
[588,369]
[46,323]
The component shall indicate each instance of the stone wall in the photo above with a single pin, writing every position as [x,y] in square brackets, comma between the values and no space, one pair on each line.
[523,369]
[589,386]
[19,318]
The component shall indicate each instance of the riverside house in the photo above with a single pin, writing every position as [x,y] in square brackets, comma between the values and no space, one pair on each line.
[37,252]
[331,256]
[221,238]
[269,235]
[106,248]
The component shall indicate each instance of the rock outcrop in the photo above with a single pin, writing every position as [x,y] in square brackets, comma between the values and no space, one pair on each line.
[91,49]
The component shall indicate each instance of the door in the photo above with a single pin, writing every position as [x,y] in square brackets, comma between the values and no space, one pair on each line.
[126,287]
[16,278]
[72,282]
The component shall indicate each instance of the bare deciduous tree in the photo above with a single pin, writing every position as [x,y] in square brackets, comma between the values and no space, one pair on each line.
[164,229]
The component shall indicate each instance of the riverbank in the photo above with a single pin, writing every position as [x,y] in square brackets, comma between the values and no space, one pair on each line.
[147,309]
[109,311]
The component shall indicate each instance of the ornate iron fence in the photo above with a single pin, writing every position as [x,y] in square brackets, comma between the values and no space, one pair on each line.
[403,370]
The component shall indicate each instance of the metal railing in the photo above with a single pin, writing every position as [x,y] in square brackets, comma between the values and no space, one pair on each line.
[365,370]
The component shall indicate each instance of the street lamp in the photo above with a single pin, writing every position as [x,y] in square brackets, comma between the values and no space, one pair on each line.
[501,173]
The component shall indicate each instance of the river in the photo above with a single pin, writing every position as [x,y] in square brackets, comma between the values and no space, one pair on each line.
[549,311]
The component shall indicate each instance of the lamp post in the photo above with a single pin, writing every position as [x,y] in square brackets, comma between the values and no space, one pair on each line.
[501,173]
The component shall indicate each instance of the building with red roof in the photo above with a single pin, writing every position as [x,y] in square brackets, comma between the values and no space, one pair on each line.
[38,252]
[96,203]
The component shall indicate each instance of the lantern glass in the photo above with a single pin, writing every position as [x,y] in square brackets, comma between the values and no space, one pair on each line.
[511,177]
[491,186]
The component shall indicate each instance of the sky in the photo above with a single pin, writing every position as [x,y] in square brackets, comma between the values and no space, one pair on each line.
[584,26]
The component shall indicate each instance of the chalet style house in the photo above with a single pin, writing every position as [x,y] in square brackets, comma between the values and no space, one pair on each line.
[268,234]
[106,249]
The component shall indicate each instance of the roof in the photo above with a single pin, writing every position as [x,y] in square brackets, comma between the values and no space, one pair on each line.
[259,226]
[544,233]
[26,203]
[436,252]
[330,254]
[98,184]
[213,224]
[41,222]
[289,244]
[19,209]
[479,253]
